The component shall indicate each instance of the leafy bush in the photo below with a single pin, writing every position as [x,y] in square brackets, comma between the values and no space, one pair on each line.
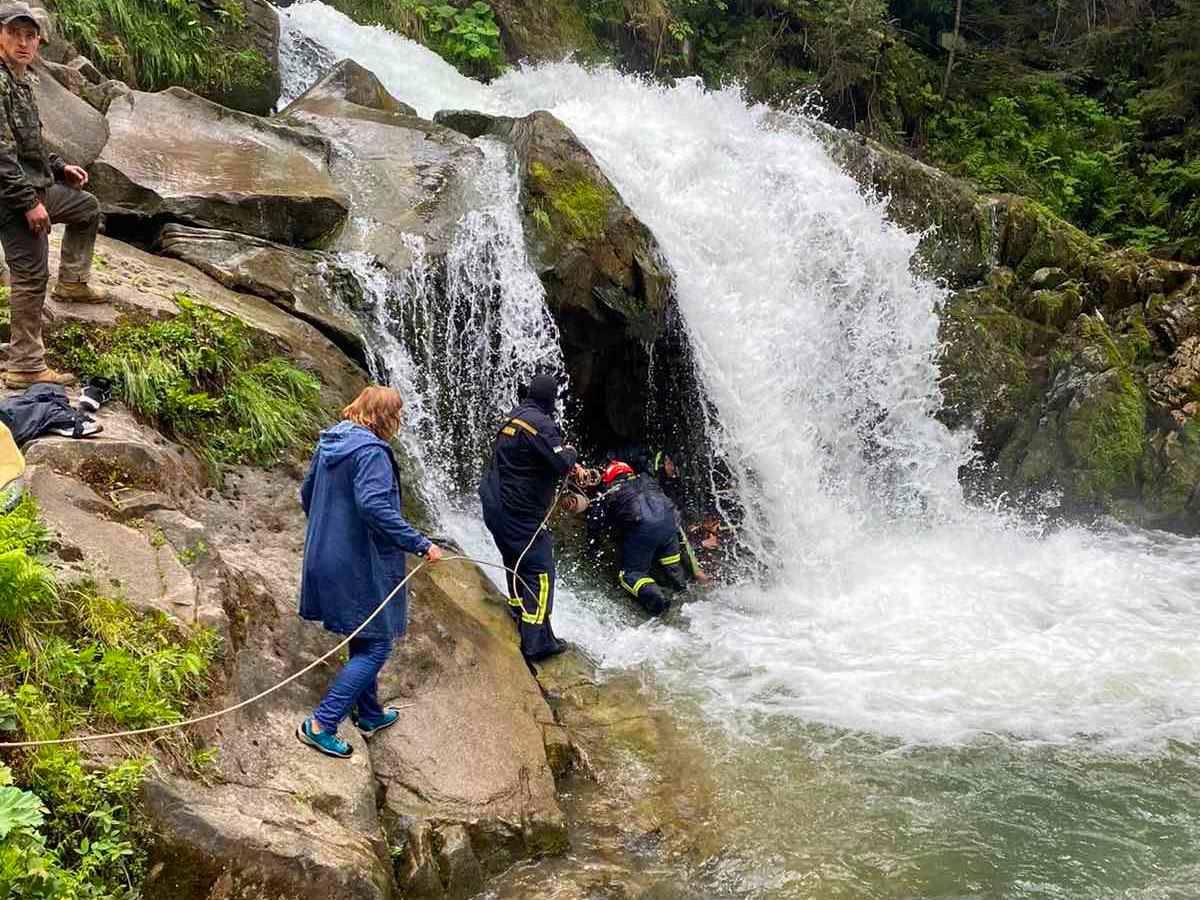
[201,378]
[73,659]
[465,36]
[1071,153]
[157,43]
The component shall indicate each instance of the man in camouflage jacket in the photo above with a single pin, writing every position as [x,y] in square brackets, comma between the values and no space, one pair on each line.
[37,189]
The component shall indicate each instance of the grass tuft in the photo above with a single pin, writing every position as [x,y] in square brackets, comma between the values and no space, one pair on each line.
[202,379]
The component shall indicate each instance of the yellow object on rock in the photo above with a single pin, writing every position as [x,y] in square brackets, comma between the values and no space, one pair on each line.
[12,467]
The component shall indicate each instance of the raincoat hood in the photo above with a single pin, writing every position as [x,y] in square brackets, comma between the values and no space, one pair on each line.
[343,440]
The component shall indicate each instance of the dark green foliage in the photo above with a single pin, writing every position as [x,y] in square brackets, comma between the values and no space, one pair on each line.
[1092,110]
[202,379]
[70,659]
[464,34]
[154,44]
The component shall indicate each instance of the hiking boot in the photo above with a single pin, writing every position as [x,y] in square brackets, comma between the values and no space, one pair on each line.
[77,292]
[326,742]
[46,376]
[371,726]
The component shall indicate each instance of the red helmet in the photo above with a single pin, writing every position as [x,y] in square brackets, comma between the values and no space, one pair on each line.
[615,470]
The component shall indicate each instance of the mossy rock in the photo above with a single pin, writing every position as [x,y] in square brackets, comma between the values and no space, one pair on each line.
[542,30]
[1034,238]
[1055,308]
[988,367]
[1172,470]
[1105,434]
[575,204]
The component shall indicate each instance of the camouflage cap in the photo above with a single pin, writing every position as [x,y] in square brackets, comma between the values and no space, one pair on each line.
[10,12]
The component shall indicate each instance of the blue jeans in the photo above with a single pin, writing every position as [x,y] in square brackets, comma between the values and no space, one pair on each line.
[357,683]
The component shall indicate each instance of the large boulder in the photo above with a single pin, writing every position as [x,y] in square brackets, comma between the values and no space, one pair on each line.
[256,88]
[493,780]
[304,282]
[606,283]
[173,156]
[459,789]
[71,127]
[405,177]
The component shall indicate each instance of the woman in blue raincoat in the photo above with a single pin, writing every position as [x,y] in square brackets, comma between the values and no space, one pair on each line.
[354,556]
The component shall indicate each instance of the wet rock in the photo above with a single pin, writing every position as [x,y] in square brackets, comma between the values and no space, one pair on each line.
[466,121]
[303,282]
[417,188]
[987,379]
[176,156]
[102,95]
[348,82]
[71,128]
[256,91]
[606,283]
[542,30]
[457,863]
[461,664]
[144,284]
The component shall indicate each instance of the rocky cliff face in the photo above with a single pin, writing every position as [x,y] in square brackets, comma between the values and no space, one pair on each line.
[1075,365]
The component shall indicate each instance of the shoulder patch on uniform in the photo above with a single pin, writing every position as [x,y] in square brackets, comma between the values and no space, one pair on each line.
[509,430]
[525,426]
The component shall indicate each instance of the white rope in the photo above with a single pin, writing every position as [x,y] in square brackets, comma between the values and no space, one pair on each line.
[91,738]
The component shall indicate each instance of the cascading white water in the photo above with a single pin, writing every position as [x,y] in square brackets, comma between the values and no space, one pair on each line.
[459,337]
[894,608]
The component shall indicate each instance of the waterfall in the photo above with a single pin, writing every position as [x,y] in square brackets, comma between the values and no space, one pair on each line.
[891,605]
[459,335]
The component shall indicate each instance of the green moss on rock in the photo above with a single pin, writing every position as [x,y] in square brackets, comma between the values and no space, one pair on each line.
[986,376]
[1035,238]
[1106,436]
[582,206]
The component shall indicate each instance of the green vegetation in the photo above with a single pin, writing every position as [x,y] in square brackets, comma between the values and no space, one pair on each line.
[581,204]
[1092,110]
[465,35]
[202,379]
[72,659]
[153,44]
[1106,432]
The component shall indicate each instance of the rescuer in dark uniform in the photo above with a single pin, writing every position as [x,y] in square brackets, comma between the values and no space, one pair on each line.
[660,466]
[647,526]
[517,491]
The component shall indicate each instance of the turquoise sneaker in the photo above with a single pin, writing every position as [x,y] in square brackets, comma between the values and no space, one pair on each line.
[323,741]
[369,727]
